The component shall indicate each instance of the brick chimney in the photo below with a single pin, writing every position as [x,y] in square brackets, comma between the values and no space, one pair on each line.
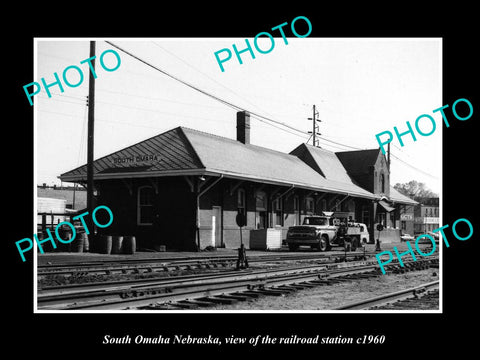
[243,127]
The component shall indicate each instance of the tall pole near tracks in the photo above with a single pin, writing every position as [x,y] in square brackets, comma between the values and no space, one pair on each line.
[314,131]
[91,119]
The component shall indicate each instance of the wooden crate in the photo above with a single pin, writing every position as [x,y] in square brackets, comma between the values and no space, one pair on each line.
[266,239]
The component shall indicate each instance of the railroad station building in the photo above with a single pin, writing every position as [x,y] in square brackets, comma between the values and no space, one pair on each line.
[183,189]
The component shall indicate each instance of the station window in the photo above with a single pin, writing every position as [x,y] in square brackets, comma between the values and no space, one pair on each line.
[241,207]
[337,205]
[366,217]
[351,206]
[296,210]
[295,203]
[241,199]
[309,205]
[323,205]
[145,205]
[278,209]
[261,201]
[260,210]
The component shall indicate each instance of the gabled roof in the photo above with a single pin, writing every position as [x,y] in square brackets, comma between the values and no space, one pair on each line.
[358,161]
[324,161]
[184,151]
[233,158]
[167,153]
[327,164]
[396,196]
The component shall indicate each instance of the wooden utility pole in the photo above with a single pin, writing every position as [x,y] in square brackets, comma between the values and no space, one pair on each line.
[91,114]
[314,131]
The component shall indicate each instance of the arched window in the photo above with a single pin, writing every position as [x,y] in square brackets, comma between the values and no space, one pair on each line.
[351,206]
[277,208]
[296,210]
[241,205]
[337,205]
[145,205]
[261,201]
[382,182]
[260,210]
[309,205]
[324,204]
[241,199]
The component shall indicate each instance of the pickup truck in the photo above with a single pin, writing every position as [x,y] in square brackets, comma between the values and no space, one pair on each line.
[323,232]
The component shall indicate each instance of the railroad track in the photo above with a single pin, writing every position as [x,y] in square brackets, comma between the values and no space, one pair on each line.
[206,289]
[142,266]
[412,298]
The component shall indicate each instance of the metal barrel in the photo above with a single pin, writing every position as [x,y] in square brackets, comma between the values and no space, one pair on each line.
[117,241]
[129,244]
[77,245]
[86,243]
[104,244]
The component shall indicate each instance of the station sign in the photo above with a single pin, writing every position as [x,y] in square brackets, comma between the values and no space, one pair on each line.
[406,217]
[135,159]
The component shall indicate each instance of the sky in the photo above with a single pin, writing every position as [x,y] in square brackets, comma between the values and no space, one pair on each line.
[360,87]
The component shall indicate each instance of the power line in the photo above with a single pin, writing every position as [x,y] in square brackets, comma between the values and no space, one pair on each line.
[225,102]
[157,98]
[239,108]
[334,142]
[176,78]
[220,84]
[291,132]
[204,74]
[156,111]
[414,168]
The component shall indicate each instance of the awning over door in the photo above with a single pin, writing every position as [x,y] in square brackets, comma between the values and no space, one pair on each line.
[386,206]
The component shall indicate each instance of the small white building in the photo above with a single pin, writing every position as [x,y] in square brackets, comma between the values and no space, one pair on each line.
[47,208]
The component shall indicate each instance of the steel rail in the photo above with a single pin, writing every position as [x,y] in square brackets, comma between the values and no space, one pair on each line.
[81,287]
[149,265]
[142,293]
[391,297]
[173,288]
[64,290]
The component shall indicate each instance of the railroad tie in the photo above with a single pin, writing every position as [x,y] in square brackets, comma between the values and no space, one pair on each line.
[321,282]
[275,292]
[202,303]
[219,300]
[338,280]
[307,285]
[290,288]
[184,305]
[251,293]
[284,288]
[234,296]
[364,276]
[192,303]
[159,307]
